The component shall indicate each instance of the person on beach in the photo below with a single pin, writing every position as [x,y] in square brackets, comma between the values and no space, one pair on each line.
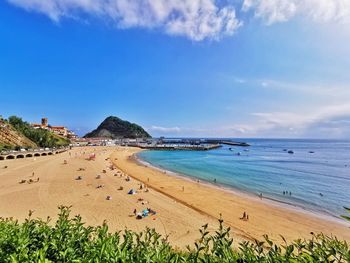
[135,211]
[261,196]
[214,180]
[183,189]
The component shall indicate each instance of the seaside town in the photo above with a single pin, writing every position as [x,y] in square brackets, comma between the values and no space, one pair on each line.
[102,175]
[59,130]
[161,143]
[175,131]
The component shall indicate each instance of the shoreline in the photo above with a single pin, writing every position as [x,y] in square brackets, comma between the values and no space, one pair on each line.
[266,216]
[246,194]
[182,206]
[93,190]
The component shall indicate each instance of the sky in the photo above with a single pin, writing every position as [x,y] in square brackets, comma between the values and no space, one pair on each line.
[196,68]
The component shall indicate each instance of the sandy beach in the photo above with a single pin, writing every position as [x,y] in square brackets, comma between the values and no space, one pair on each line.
[181,205]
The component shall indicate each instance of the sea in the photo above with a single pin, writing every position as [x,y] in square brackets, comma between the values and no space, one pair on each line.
[310,174]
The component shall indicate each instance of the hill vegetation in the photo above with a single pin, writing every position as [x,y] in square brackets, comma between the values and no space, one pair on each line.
[26,136]
[69,240]
[10,138]
[41,137]
[116,128]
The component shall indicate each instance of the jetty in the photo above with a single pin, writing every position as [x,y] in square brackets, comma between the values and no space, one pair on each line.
[227,142]
[191,147]
[193,144]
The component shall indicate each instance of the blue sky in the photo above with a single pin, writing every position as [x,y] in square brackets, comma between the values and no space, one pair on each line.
[252,68]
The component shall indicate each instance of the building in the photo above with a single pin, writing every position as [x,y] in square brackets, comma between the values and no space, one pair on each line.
[44,122]
[42,125]
[59,130]
[71,135]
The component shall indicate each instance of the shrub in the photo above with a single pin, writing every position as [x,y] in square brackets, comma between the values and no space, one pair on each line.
[69,240]
[41,137]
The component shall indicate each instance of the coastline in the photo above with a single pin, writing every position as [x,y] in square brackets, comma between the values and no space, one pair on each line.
[88,195]
[268,216]
[246,194]
[179,213]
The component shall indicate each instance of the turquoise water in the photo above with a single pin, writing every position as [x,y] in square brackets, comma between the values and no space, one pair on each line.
[318,181]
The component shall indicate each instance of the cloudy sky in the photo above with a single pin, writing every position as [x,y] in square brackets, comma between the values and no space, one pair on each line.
[205,68]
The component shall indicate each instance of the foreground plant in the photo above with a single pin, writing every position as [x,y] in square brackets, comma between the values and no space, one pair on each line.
[69,240]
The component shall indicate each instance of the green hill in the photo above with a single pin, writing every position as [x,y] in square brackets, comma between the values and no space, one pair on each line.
[10,138]
[115,128]
[18,133]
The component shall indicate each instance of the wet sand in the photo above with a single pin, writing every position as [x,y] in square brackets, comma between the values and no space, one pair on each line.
[265,216]
[182,205]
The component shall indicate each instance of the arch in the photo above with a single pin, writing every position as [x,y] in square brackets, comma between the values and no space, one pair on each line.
[2,158]
[36,154]
[44,154]
[50,153]
[10,157]
[29,155]
[20,156]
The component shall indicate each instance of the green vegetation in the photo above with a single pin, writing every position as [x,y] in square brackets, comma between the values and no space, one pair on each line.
[4,147]
[114,127]
[40,137]
[69,240]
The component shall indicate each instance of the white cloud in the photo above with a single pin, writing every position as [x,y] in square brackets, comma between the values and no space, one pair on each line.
[195,19]
[272,11]
[338,91]
[330,122]
[324,122]
[165,130]
[239,80]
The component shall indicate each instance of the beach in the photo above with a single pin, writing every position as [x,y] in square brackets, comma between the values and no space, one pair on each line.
[182,205]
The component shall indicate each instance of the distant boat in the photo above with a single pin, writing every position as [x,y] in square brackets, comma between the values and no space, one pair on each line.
[230,149]
[246,150]
[284,150]
[238,153]
[311,152]
[290,152]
